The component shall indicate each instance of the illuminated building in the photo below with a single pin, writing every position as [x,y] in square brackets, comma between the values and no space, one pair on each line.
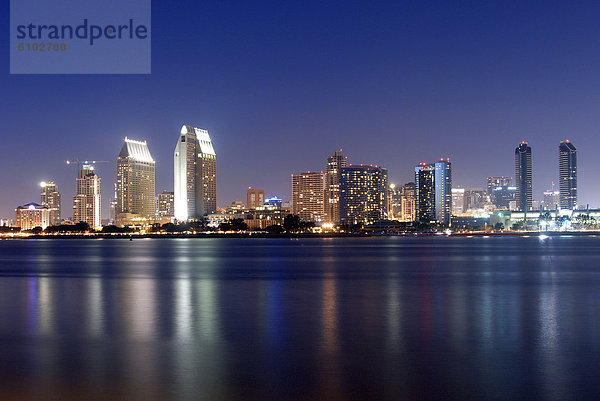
[363,194]
[308,196]
[335,162]
[523,177]
[443,191]
[425,192]
[551,200]
[165,205]
[408,200]
[395,202]
[255,197]
[135,184]
[475,199]
[195,174]
[50,197]
[567,167]
[86,202]
[502,197]
[458,201]
[32,215]
[494,182]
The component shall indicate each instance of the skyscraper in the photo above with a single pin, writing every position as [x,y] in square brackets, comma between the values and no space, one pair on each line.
[308,196]
[255,198]
[50,197]
[395,201]
[443,191]
[86,202]
[165,204]
[567,165]
[135,184]
[363,194]
[425,192]
[523,177]
[335,162]
[408,200]
[195,174]
[458,201]
[494,182]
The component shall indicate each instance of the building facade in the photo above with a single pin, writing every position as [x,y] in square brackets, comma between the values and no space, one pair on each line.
[567,177]
[498,181]
[135,184]
[87,199]
[408,201]
[523,177]
[551,200]
[458,201]
[195,174]
[443,191]
[32,215]
[363,194]
[503,196]
[425,192]
[395,202]
[335,163]
[255,198]
[165,204]
[50,198]
[308,195]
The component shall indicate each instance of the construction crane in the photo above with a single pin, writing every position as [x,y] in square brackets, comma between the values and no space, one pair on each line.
[81,163]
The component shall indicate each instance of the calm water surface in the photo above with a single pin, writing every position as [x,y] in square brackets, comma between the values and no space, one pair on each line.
[297,319]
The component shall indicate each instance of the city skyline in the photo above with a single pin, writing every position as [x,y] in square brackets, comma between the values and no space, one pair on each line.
[463,82]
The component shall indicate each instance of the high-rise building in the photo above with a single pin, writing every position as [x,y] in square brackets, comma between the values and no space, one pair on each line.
[395,201]
[363,194]
[408,201]
[50,197]
[335,162]
[32,215]
[474,199]
[425,192]
[458,201]
[165,204]
[255,198]
[494,182]
[502,197]
[443,191]
[551,200]
[523,177]
[308,196]
[567,165]
[195,174]
[86,202]
[135,184]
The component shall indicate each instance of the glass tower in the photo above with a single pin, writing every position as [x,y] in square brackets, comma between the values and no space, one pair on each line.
[523,177]
[567,166]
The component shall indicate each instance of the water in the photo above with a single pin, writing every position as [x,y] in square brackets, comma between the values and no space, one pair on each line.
[295,319]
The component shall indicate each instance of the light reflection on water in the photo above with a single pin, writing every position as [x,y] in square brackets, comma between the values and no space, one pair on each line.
[376,318]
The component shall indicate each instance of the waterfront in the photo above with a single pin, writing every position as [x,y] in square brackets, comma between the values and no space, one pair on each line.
[308,318]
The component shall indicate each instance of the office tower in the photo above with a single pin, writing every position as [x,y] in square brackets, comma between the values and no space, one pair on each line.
[50,197]
[458,201]
[135,184]
[567,165]
[425,192]
[474,199]
[443,191]
[363,194]
[308,196]
[494,182]
[335,162]
[32,215]
[86,202]
[408,200]
[551,200]
[255,198]
[502,197]
[165,204]
[195,174]
[395,201]
[523,177]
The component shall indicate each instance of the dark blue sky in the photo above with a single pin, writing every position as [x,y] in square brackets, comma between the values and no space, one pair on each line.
[281,85]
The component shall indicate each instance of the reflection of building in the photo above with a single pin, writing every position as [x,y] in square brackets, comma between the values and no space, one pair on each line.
[335,163]
[86,202]
[255,197]
[308,195]
[523,177]
[434,191]
[503,196]
[135,184]
[551,200]
[567,166]
[458,201]
[195,174]
[494,182]
[408,200]
[50,197]
[363,194]
[165,204]
[32,215]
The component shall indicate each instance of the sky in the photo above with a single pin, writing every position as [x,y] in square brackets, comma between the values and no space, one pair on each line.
[282,85]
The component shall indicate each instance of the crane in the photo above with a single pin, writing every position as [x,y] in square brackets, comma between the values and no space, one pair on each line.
[81,163]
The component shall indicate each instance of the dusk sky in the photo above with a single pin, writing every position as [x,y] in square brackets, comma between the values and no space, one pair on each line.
[281,85]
